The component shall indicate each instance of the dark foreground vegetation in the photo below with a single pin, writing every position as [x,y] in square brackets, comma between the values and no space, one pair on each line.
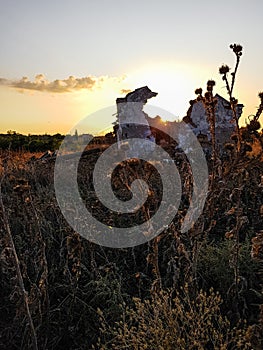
[200,290]
[197,290]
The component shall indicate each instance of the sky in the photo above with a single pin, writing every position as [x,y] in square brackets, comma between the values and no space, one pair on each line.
[63,60]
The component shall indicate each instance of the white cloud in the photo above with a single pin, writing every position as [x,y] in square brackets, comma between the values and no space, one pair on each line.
[70,84]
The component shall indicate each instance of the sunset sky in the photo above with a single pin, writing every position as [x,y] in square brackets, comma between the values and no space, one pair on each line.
[62,60]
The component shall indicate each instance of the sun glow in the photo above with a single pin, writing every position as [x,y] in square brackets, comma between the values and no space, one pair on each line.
[175,84]
[37,111]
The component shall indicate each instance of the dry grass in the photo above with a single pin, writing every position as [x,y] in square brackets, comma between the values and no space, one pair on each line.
[182,322]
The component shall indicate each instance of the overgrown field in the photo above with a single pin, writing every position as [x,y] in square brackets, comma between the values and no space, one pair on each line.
[199,290]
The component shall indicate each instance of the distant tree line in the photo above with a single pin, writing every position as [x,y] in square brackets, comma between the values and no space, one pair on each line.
[32,143]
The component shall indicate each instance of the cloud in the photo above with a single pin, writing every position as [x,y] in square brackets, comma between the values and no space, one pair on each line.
[3,81]
[125,91]
[41,83]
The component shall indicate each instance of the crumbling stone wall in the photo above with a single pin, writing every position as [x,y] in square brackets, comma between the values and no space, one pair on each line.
[131,119]
[224,127]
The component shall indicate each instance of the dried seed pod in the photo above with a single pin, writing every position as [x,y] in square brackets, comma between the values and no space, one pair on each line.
[253,125]
[224,69]
[198,91]
[229,146]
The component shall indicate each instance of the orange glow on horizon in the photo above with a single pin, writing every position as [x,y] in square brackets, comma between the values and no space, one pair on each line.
[43,112]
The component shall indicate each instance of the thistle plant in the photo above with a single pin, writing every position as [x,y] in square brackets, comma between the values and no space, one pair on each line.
[9,253]
[257,255]
[209,103]
[224,70]
[260,108]
[254,123]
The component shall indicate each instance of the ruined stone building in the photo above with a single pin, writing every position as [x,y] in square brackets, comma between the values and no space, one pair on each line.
[133,122]
[224,126]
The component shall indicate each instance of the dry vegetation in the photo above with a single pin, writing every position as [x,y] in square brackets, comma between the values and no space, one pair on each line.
[198,290]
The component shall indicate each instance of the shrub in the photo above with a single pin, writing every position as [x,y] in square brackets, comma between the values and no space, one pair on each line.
[180,322]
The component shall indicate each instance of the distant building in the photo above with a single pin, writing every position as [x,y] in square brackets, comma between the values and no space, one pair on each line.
[85,138]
